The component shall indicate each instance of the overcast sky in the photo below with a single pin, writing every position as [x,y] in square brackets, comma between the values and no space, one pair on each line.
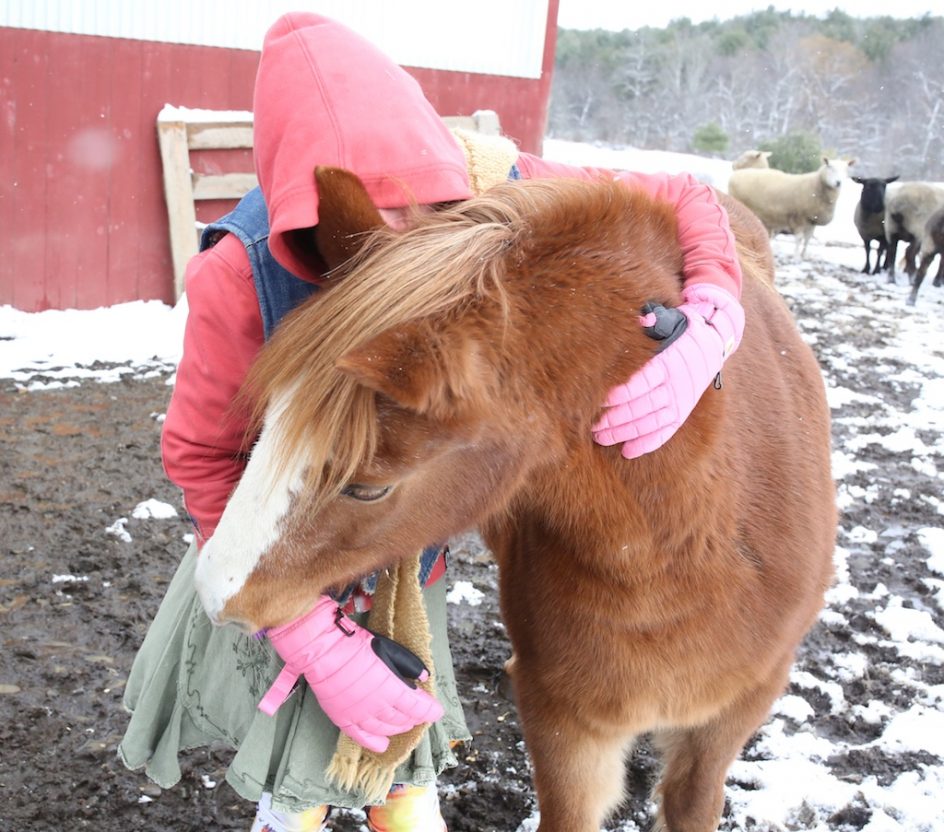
[618,14]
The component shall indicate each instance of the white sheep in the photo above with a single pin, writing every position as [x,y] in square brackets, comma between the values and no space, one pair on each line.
[752,159]
[907,211]
[793,202]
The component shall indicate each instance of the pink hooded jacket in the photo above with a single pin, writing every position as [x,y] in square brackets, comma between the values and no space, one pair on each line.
[326,96]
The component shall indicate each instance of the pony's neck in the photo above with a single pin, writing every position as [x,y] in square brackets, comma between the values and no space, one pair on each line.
[580,335]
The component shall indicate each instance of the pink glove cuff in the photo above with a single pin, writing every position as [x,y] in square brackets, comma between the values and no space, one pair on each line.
[721,310]
[319,615]
[289,639]
[362,681]
[279,691]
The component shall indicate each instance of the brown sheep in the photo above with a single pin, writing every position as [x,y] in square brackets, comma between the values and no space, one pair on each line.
[932,245]
[907,211]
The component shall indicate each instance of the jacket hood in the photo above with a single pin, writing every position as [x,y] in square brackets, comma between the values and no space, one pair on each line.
[326,96]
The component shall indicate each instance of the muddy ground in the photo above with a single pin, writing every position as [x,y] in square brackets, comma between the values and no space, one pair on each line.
[73,461]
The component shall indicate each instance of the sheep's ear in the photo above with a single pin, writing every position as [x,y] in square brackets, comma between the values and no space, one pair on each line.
[825,160]
[766,153]
[858,180]
[852,161]
[891,179]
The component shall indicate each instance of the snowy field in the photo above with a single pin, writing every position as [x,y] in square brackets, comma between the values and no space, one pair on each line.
[857,742]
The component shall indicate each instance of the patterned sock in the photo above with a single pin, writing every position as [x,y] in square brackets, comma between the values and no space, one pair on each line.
[408,809]
[269,820]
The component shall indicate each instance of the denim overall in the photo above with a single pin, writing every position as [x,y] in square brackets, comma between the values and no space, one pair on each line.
[279,291]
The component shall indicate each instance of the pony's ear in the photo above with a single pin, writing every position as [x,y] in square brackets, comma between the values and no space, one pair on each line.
[345,214]
[441,375]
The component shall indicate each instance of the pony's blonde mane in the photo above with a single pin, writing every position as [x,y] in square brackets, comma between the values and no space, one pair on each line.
[450,259]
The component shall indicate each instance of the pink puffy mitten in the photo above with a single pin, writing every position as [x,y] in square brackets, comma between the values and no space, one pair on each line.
[699,335]
[364,682]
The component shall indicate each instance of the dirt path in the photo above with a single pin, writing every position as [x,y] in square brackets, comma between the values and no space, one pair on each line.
[72,463]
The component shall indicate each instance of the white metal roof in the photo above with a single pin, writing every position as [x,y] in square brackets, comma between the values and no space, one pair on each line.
[495,37]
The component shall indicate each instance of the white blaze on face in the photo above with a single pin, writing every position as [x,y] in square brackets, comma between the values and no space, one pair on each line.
[250,523]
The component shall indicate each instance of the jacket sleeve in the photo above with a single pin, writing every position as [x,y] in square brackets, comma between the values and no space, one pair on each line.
[202,442]
[704,233]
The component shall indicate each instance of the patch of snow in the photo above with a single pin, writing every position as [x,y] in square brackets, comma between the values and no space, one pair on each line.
[463,591]
[153,508]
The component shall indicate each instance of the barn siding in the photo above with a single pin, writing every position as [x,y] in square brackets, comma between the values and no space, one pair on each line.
[499,38]
[82,216]
[521,103]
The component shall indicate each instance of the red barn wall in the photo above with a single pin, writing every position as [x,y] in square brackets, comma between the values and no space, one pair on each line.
[82,216]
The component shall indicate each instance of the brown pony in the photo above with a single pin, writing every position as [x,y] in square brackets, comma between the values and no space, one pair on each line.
[450,379]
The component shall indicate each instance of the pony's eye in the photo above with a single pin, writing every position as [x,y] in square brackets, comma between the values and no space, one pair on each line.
[366,493]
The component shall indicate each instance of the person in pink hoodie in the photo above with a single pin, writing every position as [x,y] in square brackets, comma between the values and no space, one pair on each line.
[326,96]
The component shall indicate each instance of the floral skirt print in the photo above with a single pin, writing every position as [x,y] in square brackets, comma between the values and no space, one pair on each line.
[194,685]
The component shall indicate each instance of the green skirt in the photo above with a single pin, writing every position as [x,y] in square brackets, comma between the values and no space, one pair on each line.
[193,685]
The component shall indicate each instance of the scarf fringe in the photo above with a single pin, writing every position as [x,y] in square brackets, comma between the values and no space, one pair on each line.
[355,773]
[398,613]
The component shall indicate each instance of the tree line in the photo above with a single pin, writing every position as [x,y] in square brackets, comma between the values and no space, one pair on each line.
[870,88]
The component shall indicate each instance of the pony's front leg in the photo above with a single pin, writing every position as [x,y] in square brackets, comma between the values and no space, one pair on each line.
[578,769]
[696,760]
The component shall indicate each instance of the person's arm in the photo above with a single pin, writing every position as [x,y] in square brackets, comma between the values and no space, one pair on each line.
[698,336]
[202,440]
[704,234]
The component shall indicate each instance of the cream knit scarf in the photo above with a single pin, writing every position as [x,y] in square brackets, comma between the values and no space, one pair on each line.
[487,158]
[397,612]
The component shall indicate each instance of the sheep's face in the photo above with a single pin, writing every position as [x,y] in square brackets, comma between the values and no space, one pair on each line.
[834,171]
[873,192]
[873,195]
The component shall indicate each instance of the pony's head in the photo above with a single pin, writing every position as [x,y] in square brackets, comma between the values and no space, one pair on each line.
[411,399]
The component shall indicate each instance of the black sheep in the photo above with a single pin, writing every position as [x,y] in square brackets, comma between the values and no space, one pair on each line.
[870,218]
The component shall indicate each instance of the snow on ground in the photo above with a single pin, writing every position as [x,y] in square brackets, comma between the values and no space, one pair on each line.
[792,785]
[60,348]
[796,773]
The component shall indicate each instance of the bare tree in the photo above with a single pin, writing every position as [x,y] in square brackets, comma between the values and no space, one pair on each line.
[761,77]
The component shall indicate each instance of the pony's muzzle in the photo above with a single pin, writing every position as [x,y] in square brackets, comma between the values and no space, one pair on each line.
[214,587]
[218,616]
